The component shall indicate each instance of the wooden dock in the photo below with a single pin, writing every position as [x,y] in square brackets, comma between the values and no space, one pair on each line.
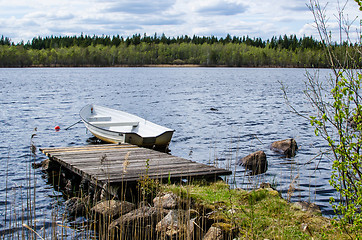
[113,163]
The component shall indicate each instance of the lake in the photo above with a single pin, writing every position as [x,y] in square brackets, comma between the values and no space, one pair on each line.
[220,115]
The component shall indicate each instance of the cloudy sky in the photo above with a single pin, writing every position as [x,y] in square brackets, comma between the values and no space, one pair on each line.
[25,19]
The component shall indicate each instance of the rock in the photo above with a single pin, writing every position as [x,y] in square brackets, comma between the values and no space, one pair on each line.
[108,192]
[265,185]
[112,208]
[255,158]
[306,206]
[256,162]
[143,204]
[48,165]
[177,223]
[143,214]
[227,230]
[75,207]
[137,224]
[169,225]
[190,229]
[84,185]
[37,165]
[146,213]
[213,217]
[68,188]
[167,201]
[288,147]
[214,233]
[274,192]
[220,230]
[305,228]
[271,190]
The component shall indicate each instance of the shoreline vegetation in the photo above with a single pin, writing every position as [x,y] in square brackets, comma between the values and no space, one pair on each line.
[151,66]
[208,209]
[161,51]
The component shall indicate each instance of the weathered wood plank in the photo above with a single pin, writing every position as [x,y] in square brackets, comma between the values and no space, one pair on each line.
[90,150]
[131,167]
[157,175]
[106,163]
[114,161]
[109,156]
[94,146]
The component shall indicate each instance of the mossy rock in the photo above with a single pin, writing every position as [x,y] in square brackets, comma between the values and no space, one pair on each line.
[227,229]
[272,192]
[216,217]
[203,208]
[307,207]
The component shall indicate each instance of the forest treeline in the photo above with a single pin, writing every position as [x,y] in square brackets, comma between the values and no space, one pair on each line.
[84,50]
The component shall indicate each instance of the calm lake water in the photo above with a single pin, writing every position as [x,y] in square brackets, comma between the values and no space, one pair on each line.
[251,114]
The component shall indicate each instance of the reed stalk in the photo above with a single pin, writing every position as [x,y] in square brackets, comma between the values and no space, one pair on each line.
[242,210]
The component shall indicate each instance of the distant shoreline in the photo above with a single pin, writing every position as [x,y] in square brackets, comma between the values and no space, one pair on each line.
[156,66]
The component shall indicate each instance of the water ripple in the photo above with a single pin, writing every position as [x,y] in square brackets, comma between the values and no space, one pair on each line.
[217,113]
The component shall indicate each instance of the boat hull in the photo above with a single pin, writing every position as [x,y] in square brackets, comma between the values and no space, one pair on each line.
[160,141]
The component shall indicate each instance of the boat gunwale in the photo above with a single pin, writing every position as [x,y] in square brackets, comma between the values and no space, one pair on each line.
[123,132]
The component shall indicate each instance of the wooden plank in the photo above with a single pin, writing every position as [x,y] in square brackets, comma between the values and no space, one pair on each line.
[131,167]
[119,161]
[105,159]
[88,149]
[153,163]
[119,154]
[115,172]
[196,171]
[105,163]
[131,164]
[179,168]
[110,155]
[90,146]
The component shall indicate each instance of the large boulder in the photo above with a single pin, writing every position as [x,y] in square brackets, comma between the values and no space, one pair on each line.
[169,224]
[287,147]
[144,214]
[112,208]
[76,207]
[177,224]
[214,233]
[134,223]
[256,162]
[166,201]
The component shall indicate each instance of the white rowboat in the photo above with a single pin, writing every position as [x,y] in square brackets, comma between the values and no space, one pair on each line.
[115,126]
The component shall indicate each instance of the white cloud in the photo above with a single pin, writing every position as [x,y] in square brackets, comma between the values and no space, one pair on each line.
[140,6]
[174,18]
[222,8]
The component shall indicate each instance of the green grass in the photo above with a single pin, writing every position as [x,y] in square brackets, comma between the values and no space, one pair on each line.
[257,214]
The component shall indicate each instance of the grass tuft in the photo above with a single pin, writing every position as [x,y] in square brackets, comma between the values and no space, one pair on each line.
[256,214]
